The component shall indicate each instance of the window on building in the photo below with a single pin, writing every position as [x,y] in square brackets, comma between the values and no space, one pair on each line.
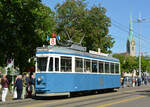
[66,64]
[78,65]
[42,63]
[106,67]
[94,66]
[101,67]
[112,67]
[116,68]
[87,65]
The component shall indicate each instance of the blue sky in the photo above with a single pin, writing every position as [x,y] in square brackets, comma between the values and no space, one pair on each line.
[119,11]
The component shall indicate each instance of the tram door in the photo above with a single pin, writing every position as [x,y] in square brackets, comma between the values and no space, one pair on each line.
[54,64]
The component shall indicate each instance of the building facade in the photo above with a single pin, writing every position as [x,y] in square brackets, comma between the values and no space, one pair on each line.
[131,45]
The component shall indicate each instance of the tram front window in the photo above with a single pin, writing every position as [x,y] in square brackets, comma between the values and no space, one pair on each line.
[50,64]
[41,63]
[56,64]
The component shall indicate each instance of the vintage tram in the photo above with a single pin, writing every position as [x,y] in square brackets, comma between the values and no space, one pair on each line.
[64,70]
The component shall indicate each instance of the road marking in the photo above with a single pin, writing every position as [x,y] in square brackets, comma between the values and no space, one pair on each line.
[79,98]
[121,101]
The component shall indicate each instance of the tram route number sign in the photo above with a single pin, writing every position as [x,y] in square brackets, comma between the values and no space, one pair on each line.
[52,41]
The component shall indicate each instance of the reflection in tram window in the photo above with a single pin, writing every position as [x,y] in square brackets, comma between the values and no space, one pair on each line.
[117,68]
[87,67]
[112,67]
[66,64]
[78,65]
[101,67]
[42,63]
[94,66]
[106,67]
[50,65]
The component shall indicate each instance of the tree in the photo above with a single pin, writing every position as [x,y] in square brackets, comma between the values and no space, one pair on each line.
[76,22]
[24,26]
[145,63]
[129,63]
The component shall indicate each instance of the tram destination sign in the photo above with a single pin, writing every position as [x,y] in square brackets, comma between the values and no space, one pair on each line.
[52,41]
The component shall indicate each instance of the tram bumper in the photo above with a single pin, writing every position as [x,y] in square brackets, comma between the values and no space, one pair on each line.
[53,94]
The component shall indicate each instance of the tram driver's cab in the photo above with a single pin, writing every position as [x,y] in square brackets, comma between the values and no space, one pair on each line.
[48,64]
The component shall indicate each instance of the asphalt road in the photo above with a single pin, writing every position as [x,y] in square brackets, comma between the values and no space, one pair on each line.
[124,97]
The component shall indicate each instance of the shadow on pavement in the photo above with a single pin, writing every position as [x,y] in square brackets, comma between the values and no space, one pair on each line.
[74,94]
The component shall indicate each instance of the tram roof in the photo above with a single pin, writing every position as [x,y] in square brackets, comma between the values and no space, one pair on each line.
[74,52]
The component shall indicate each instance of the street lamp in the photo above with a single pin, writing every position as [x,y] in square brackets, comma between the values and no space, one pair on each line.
[139,21]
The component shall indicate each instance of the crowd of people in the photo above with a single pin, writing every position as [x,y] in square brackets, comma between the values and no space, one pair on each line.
[134,81]
[23,86]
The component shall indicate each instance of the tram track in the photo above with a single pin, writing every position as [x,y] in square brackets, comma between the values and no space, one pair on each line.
[91,101]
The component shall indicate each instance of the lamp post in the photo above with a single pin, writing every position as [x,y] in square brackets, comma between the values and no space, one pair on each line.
[139,21]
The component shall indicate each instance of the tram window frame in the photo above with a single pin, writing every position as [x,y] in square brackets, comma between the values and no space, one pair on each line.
[41,64]
[67,61]
[87,65]
[107,67]
[112,68]
[94,68]
[101,66]
[117,68]
[78,64]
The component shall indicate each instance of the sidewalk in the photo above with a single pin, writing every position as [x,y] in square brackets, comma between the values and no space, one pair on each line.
[10,100]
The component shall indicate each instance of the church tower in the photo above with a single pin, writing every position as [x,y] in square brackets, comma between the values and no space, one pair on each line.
[131,46]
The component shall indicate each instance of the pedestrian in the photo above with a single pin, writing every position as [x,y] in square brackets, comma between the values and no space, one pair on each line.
[139,81]
[122,82]
[133,81]
[24,87]
[0,82]
[15,90]
[28,85]
[19,86]
[5,84]
[145,80]
[33,83]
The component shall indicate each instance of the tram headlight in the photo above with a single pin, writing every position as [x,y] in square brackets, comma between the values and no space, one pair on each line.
[39,79]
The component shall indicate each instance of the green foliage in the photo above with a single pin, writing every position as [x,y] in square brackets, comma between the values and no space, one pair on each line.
[75,21]
[24,26]
[129,63]
[2,70]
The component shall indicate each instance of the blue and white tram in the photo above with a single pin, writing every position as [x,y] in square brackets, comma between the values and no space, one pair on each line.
[62,70]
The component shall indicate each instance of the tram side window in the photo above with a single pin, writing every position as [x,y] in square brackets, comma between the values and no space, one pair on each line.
[56,64]
[41,63]
[50,64]
[101,70]
[87,67]
[106,67]
[66,64]
[112,67]
[78,65]
[117,68]
[94,66]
